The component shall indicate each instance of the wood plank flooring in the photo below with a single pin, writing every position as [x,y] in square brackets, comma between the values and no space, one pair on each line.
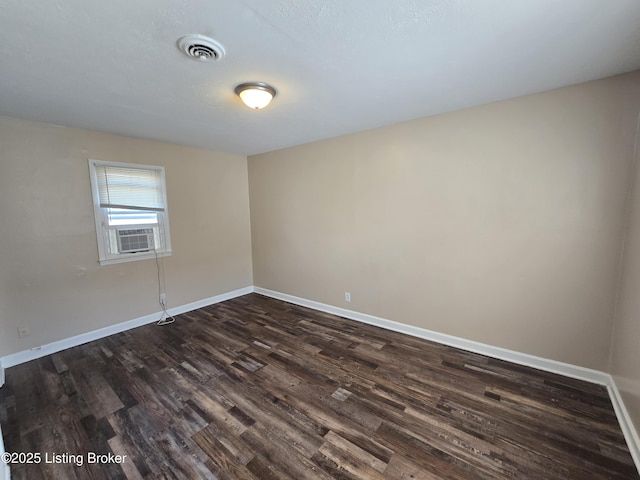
[255,388]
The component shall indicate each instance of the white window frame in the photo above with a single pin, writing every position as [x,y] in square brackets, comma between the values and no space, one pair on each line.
[163,239]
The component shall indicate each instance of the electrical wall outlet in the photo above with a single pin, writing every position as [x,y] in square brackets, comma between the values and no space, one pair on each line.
[163,299]
[347,297]
[23,332]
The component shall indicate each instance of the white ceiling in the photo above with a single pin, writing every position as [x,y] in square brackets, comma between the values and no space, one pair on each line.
[340,66]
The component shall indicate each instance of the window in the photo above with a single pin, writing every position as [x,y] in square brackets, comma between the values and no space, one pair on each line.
[130,206]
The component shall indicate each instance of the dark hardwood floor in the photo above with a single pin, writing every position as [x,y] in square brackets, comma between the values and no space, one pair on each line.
[255,388]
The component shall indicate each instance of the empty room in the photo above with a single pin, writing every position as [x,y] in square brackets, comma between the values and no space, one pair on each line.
[320,239]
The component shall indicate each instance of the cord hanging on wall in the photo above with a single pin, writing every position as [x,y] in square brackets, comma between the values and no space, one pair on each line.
[165,318]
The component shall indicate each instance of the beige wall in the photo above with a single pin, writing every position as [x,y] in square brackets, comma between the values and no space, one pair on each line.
[50,280]
[500,224]
[625,359]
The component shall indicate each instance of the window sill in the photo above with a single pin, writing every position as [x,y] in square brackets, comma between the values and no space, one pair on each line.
[133,257]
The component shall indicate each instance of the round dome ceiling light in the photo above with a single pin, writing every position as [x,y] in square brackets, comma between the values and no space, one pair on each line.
[255,95]
[201,48]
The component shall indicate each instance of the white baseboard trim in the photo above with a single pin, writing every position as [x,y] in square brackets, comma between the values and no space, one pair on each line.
[1,373]
[566,369]
[628,429]
[5,473]
[54,347]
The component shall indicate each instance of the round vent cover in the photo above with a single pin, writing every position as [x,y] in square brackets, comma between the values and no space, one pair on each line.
[201,48]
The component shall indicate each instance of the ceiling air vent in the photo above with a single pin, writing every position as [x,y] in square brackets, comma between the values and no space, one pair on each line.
[201,48]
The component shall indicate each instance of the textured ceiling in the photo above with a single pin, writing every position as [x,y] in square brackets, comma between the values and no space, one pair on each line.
[339,66]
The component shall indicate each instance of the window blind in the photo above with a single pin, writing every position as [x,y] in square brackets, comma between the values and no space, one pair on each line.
[129,188]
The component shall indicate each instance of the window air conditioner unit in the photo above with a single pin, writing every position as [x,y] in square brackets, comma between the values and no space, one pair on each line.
[132,240]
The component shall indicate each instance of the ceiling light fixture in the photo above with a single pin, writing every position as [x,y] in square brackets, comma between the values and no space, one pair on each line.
[255,95]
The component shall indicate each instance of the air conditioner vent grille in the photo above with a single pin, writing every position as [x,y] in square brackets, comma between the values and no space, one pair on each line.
[201,48]
[133,240]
